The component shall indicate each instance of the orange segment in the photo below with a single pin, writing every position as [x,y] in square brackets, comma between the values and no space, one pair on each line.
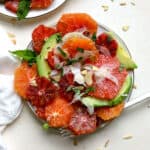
[22,77]
[108,113]
[73,43]
[59,113]
[73,21]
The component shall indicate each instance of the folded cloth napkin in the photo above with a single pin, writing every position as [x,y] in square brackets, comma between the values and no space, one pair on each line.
[10,103]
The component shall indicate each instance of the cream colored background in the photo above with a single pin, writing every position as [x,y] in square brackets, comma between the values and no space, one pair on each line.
[26,132]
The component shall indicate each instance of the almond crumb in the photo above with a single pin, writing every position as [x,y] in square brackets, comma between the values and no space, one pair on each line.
[134,86]
[127,137]
[123,4]
[132,3]
[106,143]
[125,28]
[75,142]
[105,7]
[11,35]
[13,41]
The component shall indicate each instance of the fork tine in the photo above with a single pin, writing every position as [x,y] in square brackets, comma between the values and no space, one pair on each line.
[65,133]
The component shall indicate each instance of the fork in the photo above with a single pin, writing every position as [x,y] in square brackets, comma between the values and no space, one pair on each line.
[144,98]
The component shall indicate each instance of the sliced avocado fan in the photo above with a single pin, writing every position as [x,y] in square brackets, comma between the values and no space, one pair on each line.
[42,65]
[123,56]
[95,102]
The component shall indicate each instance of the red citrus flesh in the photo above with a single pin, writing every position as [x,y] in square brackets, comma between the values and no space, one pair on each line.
[108,113]
[74,21]
[24,74]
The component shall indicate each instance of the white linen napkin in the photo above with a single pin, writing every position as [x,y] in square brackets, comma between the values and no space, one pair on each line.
[10,103]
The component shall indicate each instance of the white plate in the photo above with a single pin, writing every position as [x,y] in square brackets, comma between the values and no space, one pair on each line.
[101,29]
[33,13]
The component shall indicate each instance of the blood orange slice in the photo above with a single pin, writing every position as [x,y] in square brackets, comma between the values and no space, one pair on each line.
[108,113]
[111,78]
[39,4]
[82,123]
[74,44]
[59,113]
[39,35]
[74,21]
[23,75]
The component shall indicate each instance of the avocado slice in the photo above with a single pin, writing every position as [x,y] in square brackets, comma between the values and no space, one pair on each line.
[95,102]
[42,65]
[123,56]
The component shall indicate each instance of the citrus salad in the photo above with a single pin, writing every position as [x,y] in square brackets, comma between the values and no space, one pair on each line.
[22,7]
[74,77]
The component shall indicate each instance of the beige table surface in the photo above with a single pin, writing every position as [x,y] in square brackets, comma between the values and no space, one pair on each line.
[26,133]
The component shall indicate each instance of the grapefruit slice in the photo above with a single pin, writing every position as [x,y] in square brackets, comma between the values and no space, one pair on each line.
[108,113]
[74,44]
[75,21]
[59,113]
[40,4]
[82,123]
[22,77]
[108,86]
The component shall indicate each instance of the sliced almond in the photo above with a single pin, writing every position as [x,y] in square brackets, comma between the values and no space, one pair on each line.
[33,82]
[14,41]
[134,86]
[125,28]
[106,143]
[94,68]
[105,7]
[123,4]
[84,72]
[88,78]
[127,137]
[11,35]
[132,3]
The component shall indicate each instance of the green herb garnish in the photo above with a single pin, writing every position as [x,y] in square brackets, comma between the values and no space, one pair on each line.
[109,38]
[27,55]
[93,37]
[74,88]
[80,49]
[45,126]
[62,52]
[23,9]
[121,67]
[72,61]
[59,38]
[89,89]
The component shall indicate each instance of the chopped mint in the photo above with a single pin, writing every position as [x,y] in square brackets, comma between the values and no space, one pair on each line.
[89,89]
[80,49]
[62,52]
[46,126]
[93,37]
[72,61]
[59,38]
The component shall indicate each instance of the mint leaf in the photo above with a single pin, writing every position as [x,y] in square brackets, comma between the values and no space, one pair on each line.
[93,37]
[59,38]
[72,61]
[27,55]
[23,9]
[80,49]
[62,52]
[45,126]
[89,89]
